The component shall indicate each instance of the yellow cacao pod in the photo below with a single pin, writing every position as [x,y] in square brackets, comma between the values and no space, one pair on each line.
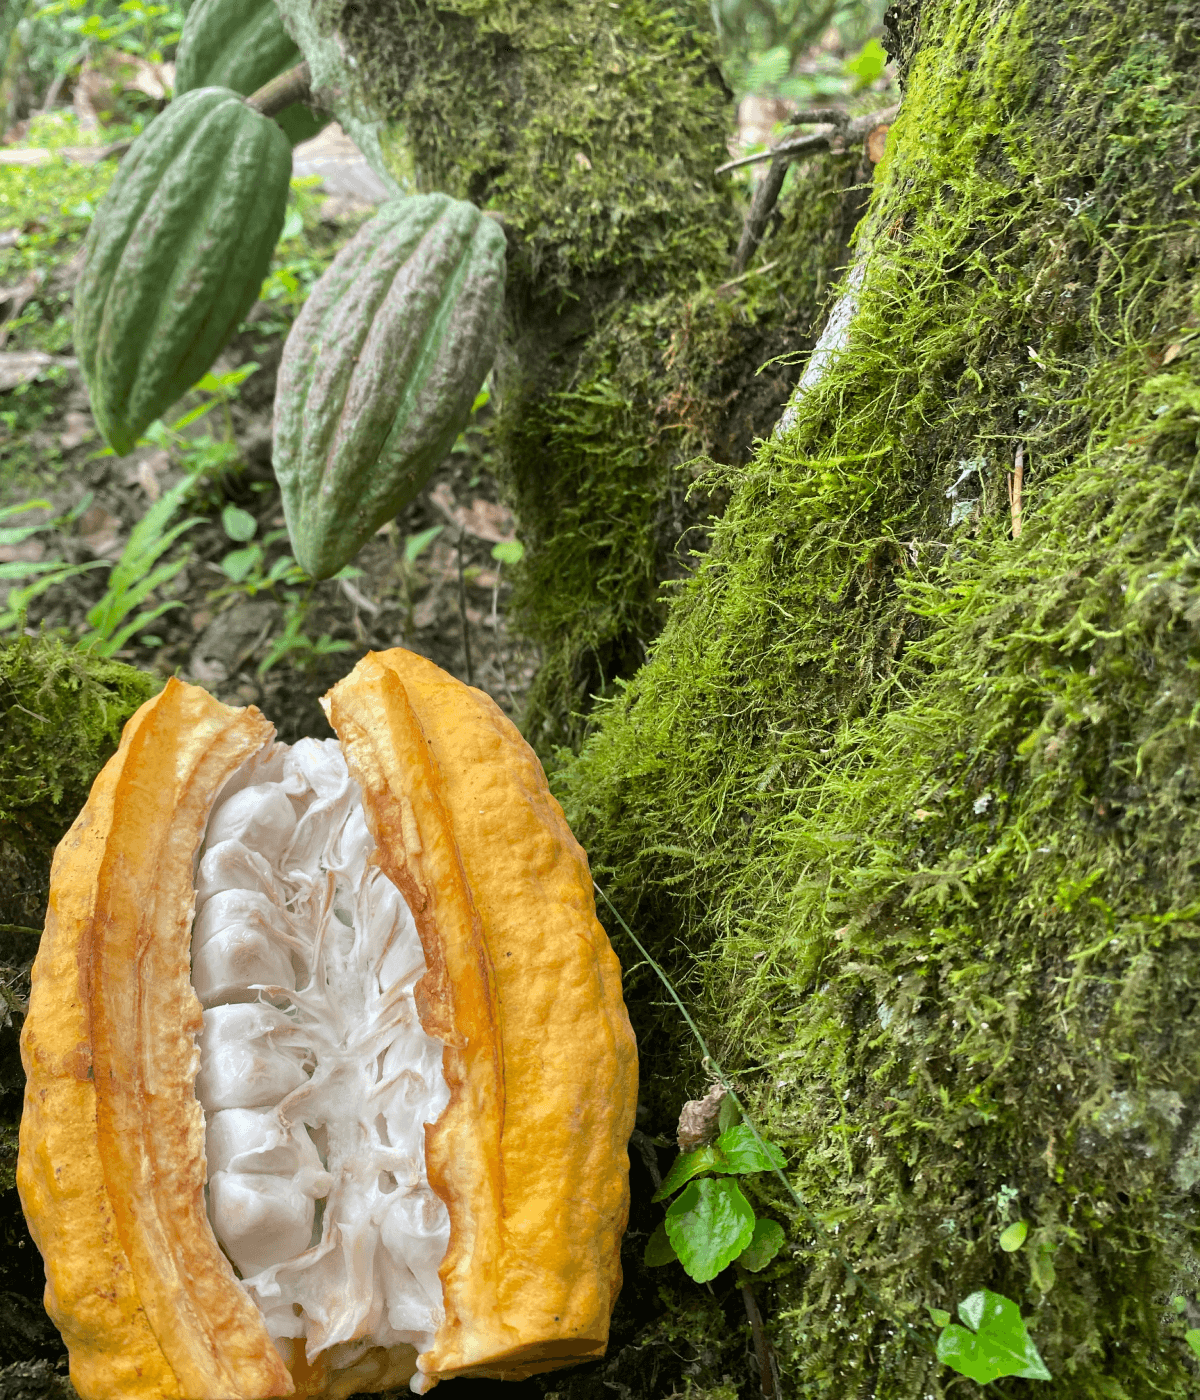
[329,1077]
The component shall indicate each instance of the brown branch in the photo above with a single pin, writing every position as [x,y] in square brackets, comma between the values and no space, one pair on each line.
[280,93]
[810,143]
[762,1347]
[761,206]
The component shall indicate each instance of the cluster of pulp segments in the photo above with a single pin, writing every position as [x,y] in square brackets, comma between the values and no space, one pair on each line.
[316,1076]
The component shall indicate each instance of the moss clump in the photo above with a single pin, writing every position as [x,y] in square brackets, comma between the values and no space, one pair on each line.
[912,805]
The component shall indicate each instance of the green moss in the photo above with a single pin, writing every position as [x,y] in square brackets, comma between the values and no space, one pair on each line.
[910,805]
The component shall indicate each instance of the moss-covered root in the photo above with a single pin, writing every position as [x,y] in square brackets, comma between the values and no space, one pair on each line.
[913,772]
[61,716]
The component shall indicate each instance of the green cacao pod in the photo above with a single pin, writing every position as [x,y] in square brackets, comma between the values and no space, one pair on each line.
[380,370]
[176,255]
[241,45]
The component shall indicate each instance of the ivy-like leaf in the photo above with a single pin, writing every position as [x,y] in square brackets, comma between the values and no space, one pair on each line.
[765,1244]
[709,1225]
[742,1154]
[997,1344]
[659,1249]
[1014,1237]
[686,1166]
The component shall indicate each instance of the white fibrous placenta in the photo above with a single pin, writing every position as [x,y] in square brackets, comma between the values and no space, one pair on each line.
[316,1076]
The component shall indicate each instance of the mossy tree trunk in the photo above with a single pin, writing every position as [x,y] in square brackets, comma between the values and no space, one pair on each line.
[913,771]
[593,131]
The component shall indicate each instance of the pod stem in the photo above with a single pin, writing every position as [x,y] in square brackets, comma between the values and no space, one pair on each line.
[280,93]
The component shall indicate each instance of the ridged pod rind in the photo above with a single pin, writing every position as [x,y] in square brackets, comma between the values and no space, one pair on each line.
[522,987]
[380,371]
[241,45]
[176,255]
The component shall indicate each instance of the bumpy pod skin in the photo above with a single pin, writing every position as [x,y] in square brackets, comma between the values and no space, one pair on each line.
[176,255]
[241,45]
[522,987]
[380,370]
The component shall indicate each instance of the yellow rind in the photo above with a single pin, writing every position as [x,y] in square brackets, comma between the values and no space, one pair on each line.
[566,1058]
[111,1165]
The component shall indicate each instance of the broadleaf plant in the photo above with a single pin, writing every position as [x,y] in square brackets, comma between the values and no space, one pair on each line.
[711,1224]
[995,1341]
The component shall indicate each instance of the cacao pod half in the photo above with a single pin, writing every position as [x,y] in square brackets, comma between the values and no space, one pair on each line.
[380,370]
[414,1081]
[176,255]
[241,45]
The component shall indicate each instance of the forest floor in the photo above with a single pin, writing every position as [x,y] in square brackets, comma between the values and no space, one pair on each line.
[225,607]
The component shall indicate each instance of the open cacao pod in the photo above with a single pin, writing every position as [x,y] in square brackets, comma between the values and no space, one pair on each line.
[329,1075]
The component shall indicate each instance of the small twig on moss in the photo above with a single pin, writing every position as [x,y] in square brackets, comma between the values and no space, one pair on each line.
[762,1346]
[820,116]
[462,609]
[761,206]
[1016,482]
[20,928]
[280,93]
[809,143]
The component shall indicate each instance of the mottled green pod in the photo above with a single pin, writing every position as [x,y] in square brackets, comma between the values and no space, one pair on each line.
[176,255]
[241,45]
[380,371]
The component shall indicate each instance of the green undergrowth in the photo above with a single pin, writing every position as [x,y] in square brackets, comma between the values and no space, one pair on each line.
[909,805]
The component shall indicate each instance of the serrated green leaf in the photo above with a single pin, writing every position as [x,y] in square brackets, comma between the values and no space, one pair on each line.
[765,1244]
[659,1249]
[709,1225]
[685,1167]
[743,1154]
[1014,1237]
[997,1344]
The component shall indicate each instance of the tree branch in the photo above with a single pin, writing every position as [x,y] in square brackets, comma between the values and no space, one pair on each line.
[280,93]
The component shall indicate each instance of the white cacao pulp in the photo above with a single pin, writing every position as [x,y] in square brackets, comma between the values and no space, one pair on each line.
[316,1076]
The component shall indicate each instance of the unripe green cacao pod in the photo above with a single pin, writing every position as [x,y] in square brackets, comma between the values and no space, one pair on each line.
[241,45]
[176,255]
[380,371]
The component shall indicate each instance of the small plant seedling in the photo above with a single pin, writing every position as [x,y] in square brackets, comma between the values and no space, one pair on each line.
[711,1224]
[994,1341]
[45,573]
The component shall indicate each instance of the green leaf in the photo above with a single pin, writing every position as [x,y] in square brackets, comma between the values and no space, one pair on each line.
[997,1344]
[508,551]
[239,563]
[686,1166]
[709,1225]
[729,1114]
[239,524]
[417,544]
[1192,1338]
[1179,1303]
[939,1316]
[743,1153]
[1014,1237]
[765,1244]
[659,1249]
[293,225]
[868,63]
